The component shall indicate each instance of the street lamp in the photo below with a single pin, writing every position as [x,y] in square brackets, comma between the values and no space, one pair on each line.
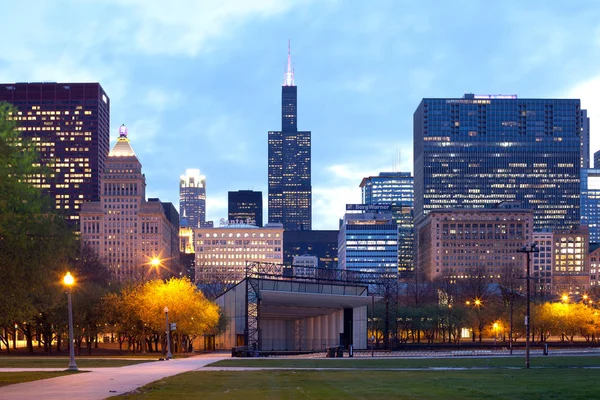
[565,298]
[68,280]
[169,355]
[528,250]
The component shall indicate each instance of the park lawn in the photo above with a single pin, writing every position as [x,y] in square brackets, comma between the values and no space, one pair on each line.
[63,362]
[498,384]
[9,378]
[399,362]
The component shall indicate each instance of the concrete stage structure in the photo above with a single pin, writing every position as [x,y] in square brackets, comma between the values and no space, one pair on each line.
[271,310]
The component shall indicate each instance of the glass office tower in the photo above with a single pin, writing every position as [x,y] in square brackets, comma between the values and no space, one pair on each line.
[69,123]
[290,190]
[246,206]
[192,198]
[479,150]
[396,189]
[590,202]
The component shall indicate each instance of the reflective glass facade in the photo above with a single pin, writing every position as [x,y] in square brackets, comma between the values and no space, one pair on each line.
[395,188]
[290,189]
[192,198]
[245,205]
[477,151]
[368,242]
[322,244]
[69,123]
[590,202]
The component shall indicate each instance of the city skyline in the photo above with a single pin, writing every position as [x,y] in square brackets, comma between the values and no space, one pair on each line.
[208,77]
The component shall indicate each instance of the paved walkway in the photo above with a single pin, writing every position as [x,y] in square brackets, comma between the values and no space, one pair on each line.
[101,383]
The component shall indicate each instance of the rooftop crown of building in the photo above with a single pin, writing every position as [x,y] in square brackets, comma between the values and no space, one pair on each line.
[122,148]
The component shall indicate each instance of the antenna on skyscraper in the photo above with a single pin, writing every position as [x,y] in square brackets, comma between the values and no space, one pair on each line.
[288,79]
[396,166]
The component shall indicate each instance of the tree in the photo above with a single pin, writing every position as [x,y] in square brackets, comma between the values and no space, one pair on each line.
[138,312]
[34,242]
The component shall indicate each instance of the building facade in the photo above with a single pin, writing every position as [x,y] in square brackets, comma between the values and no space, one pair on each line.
[305,266]
[590,202]
[223,252]
[289,169]
[479,150]
[245,206]
[457,243]
[571,269]
[368,240]
[69,123]
[542,263]
[594,263]
[133,235]
[192,198]
[322,244]
[395,188]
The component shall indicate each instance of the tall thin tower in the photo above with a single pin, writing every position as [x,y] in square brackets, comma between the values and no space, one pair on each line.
[192,198]
[290,189]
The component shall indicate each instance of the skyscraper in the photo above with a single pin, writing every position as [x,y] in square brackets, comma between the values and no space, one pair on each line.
[395,189]
[590,202]
[134,236]
[192,198]
[290,190]
[70,125]
[479,150]
[246,206]
[368,240]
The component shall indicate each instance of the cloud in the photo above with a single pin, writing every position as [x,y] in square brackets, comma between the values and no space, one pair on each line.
[143,133]
[329,204]
[216,206]
[160,99]
[588,91]
[188,27]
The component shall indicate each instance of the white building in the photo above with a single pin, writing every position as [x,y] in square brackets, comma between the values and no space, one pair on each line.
[222,252]
[305,266]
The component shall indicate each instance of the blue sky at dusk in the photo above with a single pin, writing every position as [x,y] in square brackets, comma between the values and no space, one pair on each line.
[198,83]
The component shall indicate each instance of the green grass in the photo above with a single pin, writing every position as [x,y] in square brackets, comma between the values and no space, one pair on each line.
[479,384]
[491,362]
[63,362]
[9,378]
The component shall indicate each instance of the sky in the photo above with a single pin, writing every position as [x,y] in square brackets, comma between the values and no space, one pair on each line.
[198,83]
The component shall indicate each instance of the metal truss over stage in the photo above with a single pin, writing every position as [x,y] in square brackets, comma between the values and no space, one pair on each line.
[291,279]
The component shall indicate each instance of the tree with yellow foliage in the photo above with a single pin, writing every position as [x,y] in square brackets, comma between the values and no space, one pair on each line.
[140,312]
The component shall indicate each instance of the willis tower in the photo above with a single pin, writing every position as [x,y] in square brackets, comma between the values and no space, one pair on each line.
[290,189]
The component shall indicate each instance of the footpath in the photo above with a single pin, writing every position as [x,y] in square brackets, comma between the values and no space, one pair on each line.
[100,383]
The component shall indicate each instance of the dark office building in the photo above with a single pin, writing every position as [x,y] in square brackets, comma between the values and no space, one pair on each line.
[322,244]
[290,190]
[477,151]
[246,206]
[70,125]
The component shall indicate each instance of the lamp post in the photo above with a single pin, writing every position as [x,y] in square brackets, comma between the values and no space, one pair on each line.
[68,280]
[528,250]
[169,355]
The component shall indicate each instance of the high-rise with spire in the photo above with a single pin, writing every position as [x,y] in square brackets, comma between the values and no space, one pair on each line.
[290,189]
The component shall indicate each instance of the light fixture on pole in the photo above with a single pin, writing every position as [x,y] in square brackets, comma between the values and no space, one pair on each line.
[168,332]
[528,250]
[68,280]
